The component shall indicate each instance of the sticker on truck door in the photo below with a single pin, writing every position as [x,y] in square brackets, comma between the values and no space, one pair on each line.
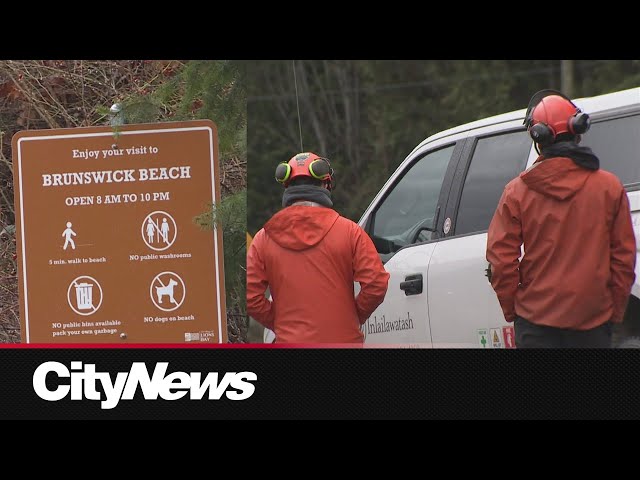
[509,337]
[483,337]
[496,338]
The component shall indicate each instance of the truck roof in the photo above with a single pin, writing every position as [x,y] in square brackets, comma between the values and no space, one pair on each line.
[590,105]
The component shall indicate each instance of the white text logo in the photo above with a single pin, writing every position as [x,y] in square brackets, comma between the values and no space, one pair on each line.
[84,378]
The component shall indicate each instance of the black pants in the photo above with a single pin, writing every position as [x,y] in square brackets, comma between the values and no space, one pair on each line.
[530,335]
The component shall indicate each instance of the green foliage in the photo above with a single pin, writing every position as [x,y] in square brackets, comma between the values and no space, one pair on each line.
[211,89]
[231,217]
[612,75]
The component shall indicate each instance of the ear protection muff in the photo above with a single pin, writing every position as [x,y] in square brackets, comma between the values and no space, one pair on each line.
[542,134]
[579,123]
[283,172]
[320,169]
[545,132]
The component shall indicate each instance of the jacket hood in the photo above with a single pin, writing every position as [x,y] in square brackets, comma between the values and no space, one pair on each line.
[300,227]
[560,178]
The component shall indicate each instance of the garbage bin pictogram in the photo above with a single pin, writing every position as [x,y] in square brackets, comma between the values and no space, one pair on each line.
[84,296]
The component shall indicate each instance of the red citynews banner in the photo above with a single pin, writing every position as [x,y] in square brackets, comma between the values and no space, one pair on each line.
[108,247]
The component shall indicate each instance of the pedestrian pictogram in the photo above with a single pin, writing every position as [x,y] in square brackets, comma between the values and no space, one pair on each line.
[167,291]
[496,338]
[483,335]
[159,230]
[84,295]
[67,234]
[509,337]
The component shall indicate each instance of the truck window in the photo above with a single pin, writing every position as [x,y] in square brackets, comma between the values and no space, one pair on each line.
[410,207]
[616,142]
[496,161]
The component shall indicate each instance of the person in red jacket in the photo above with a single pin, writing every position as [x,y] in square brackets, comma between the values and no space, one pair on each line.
[573,277]
[309,257]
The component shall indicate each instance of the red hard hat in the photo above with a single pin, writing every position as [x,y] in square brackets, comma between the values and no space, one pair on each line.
[305,164]
[555,112]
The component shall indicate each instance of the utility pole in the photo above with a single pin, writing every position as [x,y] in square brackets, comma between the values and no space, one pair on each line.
[566,77]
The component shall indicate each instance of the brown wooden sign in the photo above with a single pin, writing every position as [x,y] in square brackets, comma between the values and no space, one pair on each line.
[108,248]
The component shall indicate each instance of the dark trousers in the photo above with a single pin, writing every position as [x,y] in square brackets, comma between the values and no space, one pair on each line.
[530,335]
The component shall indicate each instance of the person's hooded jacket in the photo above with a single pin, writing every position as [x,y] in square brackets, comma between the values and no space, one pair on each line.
[574,223]
[309,257]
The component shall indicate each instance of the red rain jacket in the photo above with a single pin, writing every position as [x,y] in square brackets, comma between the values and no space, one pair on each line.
[309,258]
[579,247]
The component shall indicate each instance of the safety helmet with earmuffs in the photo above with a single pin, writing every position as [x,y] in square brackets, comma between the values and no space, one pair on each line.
[306,164]
[550,113]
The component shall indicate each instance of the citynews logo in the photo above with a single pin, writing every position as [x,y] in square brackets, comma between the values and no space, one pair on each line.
[83,379]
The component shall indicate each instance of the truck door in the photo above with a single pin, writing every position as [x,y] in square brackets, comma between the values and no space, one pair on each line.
[403,221]
[463,308]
